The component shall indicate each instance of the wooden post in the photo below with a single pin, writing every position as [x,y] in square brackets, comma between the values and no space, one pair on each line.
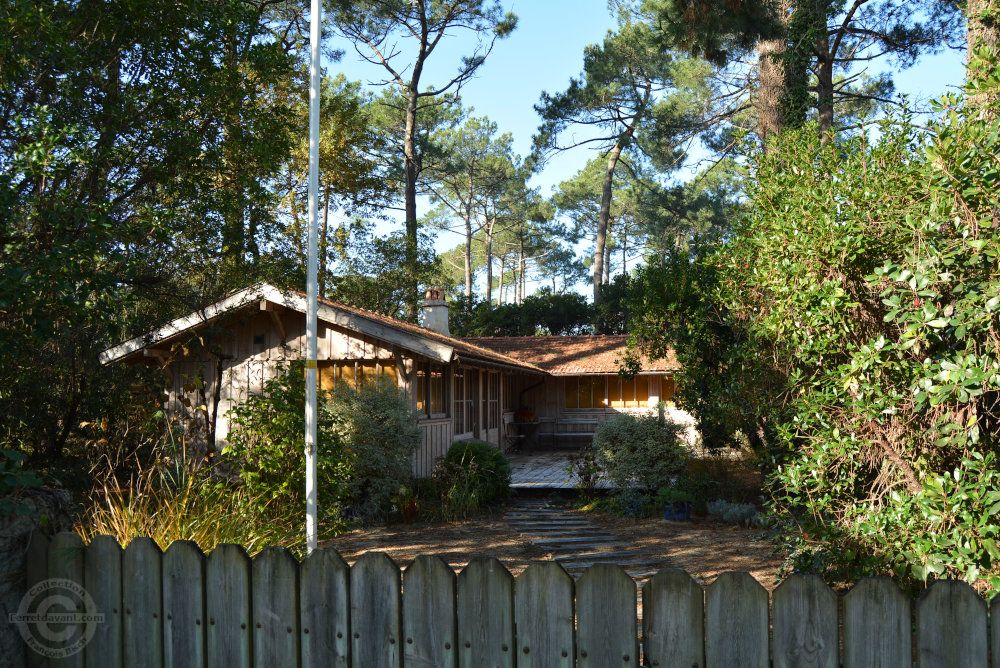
[325,612]
[429,614]
[376,612]
[607,633]
[876,625]
[36,570]
[183,605]
[227,605]
[543,610]
[805,628]
[142,590]
[673,610]
[275,608]
[485,615]
[736,622]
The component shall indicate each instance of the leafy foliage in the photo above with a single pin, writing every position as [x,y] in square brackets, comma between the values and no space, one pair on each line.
[854,315]
[492,467]
[365,440]
[641,452]
[542,313]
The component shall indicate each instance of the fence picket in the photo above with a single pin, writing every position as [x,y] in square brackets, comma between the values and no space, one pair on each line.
[876,625]
[429,614]
[376,612]
[673,609]
[180,609]
[183,605]
[485,615]
[951,627]
[102,576]
[227,606]
[66,562]
[803,634]
[142,589]
[736,622]
[543,610]
[324,586]
[607,633]
[36,570]
[275,585]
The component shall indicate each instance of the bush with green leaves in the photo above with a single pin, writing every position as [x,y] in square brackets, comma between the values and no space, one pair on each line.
[861,287]
[376,434]
[366,438]
[640,452]
[492,467]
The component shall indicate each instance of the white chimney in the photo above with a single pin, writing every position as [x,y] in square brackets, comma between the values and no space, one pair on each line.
[434,312]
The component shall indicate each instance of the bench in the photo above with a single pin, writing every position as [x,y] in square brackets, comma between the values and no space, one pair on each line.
[573,428]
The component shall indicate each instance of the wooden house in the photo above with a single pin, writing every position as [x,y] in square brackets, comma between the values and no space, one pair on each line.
[549,391]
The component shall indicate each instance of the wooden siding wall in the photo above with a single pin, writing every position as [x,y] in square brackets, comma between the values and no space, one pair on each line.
[437,438]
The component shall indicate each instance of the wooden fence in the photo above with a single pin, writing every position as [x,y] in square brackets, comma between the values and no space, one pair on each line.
[181,608]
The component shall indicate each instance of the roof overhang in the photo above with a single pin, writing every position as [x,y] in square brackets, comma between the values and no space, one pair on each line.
[327,313]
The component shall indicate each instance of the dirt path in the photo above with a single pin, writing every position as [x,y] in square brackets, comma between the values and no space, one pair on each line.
[704,548]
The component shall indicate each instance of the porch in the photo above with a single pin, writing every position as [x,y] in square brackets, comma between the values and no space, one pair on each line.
[544,469]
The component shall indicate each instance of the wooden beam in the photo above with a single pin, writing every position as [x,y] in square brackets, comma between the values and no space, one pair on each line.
[275,310]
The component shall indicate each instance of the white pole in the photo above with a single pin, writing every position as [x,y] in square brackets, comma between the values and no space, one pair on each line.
[312,287]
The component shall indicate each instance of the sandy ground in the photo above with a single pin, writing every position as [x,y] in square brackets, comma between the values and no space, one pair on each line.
[702,547]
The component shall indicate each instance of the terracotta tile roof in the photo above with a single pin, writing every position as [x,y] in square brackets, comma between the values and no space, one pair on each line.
[571,355]
[464,348]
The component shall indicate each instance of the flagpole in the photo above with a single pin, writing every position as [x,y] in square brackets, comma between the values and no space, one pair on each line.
[312,286]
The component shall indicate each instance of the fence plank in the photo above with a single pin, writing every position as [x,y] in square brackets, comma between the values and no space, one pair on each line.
[325,613]
[142,590]
[995,629]
[183,605]
[543,610]
[805,624]
[736,622]
[876,625]
[485,615]
[375,612]
[673,610]
[429,614]
[102,576]
[36,570]
[66,563]
[951,627]
[227,606]
[275,606]
[606,627]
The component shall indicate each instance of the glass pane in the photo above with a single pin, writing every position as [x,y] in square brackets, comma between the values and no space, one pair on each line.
[572,393]
[615,392]
[387,370]
[437,389]
[628,393]
[327,372]
[422,390]
[669,388]
[642,391]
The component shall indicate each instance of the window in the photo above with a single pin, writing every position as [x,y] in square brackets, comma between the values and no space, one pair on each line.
[431,389]
[493,400]
[354,372]
[629,393]
[466,400]
[586,392]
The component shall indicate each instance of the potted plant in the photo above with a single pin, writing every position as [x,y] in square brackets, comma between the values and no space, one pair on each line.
[676,503]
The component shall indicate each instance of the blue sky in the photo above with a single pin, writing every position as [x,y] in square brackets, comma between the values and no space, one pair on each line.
[546,50]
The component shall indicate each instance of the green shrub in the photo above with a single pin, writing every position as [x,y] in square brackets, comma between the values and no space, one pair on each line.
[365,439]
[377,434]
[492,479]
[640,452]
[266,447]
